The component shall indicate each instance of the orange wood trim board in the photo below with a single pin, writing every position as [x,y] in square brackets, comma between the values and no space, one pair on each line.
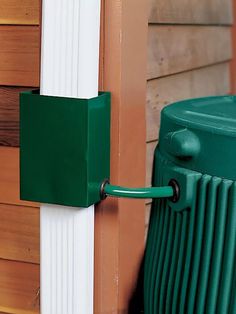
[120,224]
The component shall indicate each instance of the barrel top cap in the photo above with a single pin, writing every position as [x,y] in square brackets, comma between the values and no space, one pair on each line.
[200,134]
[217,114]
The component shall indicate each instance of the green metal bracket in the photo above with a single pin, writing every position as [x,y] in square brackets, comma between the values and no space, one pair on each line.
[64,148]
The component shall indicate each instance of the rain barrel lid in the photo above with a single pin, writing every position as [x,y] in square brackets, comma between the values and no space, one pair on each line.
[200,134]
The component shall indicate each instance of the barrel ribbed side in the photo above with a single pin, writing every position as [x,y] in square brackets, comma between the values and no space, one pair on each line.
[190,261]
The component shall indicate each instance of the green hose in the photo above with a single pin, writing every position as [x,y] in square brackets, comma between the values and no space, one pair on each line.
[153,192]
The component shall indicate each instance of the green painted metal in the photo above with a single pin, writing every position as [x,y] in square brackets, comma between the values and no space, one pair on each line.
[64,148]
[190,258]
[154,192]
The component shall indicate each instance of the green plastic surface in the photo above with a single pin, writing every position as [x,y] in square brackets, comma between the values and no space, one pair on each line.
[154,192]
[200,134]
[64,148]
[190,258]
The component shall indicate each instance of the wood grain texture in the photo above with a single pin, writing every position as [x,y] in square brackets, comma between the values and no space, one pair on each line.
[24,12]
[174,49]
[9,177]
[117,226]
[233,61]
[9,115]
[19,284]
[212,80]
[19,55]
[190,11]
[150,148]
[19,233]
[147,218]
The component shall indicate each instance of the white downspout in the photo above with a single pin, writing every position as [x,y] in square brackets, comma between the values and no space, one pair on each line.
[69,67]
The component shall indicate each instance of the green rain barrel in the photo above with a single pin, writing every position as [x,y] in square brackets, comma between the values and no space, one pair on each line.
[190,258]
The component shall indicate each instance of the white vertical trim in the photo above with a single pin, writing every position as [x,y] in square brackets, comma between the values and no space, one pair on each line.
[70,48]
[66,259]
[69,67]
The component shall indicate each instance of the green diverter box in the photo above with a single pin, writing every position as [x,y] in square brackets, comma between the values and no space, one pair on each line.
[190,259]
[64,148]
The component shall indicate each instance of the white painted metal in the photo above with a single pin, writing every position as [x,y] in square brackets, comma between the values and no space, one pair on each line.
[69,67]
[70,48]
[66,260]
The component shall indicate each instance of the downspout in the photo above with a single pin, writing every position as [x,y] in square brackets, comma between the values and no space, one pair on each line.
[69,67]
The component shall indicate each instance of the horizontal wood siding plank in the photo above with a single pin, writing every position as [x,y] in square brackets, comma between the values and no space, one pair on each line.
[19,233]
[19,284]
[212,80]
[175,49]
[190,11]
[19,55]
[9,177]
[9,115]
[24,12]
